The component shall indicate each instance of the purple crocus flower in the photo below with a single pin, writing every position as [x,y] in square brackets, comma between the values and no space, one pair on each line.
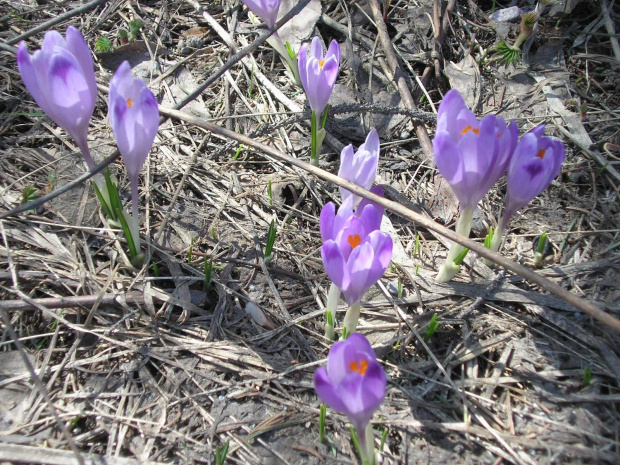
[355,252]
[318,73]
[471,154]
[536,162]
[134,118]
[61,78]
[267,10]
[354,383]
[360,167]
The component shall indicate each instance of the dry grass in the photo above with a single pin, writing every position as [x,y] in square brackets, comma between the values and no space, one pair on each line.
[148,366]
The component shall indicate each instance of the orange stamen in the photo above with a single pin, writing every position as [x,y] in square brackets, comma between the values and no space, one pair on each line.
[360,367]
[354,240]
[321,63]
[468,128]
[499,134]
[129,103]
[541,154]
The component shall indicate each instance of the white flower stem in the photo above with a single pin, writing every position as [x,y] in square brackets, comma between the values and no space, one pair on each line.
[463,227]
[134,224]
[496,240]
[291,63]
[349,325]
[366,440]
[332,304]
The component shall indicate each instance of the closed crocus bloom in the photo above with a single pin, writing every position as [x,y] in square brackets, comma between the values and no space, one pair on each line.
[536,162]
[471,154]
[267,10]
[355,252]
[61,78]
[318,73]
[354,384]
[360,167]
[134,118]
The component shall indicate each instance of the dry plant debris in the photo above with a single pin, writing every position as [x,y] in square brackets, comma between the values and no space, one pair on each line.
[148,366]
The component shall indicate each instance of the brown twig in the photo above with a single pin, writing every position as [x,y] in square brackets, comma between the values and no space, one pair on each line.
[399,77]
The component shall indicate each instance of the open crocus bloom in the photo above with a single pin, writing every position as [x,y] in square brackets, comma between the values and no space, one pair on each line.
[536,162]
[471,154]
[354,383]
[267,10]
[355,252]
[134,118]
[62,81]
[318,73]
[360,167]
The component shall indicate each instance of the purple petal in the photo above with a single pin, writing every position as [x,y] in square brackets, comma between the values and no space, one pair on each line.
[69,94]
[302,65]
[267,10]
[339,361]
[29,75]
[335,265]
[362,346]
[326,391]
[450,164]
[79,49]
[316,49]
[359,264]
[449,109]
[326,223]
[333,51]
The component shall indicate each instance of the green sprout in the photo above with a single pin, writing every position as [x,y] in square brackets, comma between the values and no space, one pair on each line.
[134,29]
[190,252]
[271,239]
[208,273]
[587,376]
[356,441]
[432,327]
[213,233]
[220,453]
[123,36]
[511,54]
[383,438]
[460,257]
[155,270]
[345,333]
[416,247]
[400,288]
[540,250]
[322,422]
[103,44]
[29,194]
[270,192]
[238,152]
[488,238]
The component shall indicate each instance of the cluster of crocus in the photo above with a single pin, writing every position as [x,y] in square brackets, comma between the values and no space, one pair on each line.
[355,252]
[318,75]
[354,384]
[62,81]
[473,154]
[267,10]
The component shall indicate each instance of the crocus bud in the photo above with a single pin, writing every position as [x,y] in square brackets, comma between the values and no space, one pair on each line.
[355,252]
[471,154]
[354,383]
[62,81]
[360,167]
[267,10]
[318,73]
[134,118]
[536,162]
